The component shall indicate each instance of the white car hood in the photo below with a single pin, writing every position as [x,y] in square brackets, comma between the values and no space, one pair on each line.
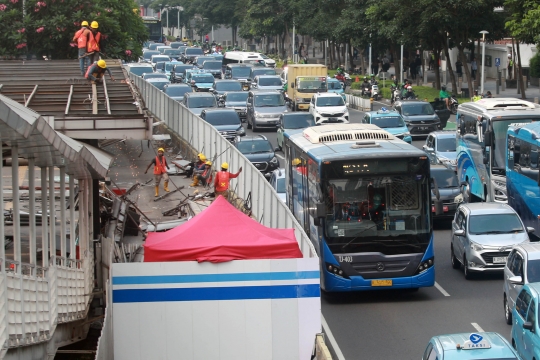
[331,109]
[500,239]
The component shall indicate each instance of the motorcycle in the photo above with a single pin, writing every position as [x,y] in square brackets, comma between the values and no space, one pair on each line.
[396,94]
[366,91]
[453,103]
[375,91]
[344,79]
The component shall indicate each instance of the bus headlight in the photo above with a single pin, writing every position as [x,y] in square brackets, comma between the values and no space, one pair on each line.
[336,270]
[425,265]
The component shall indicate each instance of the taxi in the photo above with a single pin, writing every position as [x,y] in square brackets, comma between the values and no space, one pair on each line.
[389,120]
[466,346]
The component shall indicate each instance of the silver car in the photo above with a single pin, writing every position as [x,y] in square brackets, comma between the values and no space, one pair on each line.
[267,82]
[483,235]
[522,267]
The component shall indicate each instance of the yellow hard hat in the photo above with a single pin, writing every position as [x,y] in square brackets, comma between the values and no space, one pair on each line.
[160,149]
[93,25]
[84,23]
[102,64]
[296,162]
[225,166]
[209,163]
[202,157]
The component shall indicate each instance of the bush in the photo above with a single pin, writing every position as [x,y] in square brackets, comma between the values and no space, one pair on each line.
[534,66]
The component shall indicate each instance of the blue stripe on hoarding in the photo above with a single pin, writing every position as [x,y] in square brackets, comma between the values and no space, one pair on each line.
[171,279]
[216,293]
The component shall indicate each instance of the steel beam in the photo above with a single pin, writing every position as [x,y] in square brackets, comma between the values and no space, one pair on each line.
[32,209]
[16,209]
[44,219]
[63,212]
[52,207]
[72,235]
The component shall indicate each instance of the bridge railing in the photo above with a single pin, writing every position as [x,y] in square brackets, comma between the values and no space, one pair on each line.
[267,207]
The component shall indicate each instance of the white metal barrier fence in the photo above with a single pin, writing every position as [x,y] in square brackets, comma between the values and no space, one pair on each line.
[105,349]
[34,300]
[267,208]
[358,103]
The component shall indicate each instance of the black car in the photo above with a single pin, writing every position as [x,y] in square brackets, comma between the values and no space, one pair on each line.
[213,67]
[240,72]
[226,121]
[257,70]
[420,116]
[449,191]
[200,60]
[259,151]
[223,86]
[179,72]
[235,100]
[190,54]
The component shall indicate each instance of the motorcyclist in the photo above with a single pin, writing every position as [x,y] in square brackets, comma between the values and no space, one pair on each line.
[409,94]
[365,85]
[445,96]
[373,81]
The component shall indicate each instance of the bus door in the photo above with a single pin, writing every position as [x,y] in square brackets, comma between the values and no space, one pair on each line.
[305,191]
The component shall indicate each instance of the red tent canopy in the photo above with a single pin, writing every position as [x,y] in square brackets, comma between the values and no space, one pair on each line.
[221,233]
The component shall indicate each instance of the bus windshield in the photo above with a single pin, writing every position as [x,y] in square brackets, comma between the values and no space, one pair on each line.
[500,128]
[386,214]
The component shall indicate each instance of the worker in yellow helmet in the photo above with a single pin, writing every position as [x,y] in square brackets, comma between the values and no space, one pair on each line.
[94,45]
[221,183]
[204,177]
[96,71]
[160,171]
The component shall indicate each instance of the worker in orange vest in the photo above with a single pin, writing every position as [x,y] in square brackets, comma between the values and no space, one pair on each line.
[221,183]
[160,171]
[82,37]
[94,45]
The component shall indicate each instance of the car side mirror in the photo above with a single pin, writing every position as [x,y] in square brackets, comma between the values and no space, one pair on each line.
[527,325]
[459,232]
[427,148]
[276,149]
[517,280]
[530,230]
[347,104]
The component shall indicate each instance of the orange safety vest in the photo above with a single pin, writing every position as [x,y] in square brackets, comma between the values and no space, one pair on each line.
[161,167]
[222,181]
[82,37]
[93,43]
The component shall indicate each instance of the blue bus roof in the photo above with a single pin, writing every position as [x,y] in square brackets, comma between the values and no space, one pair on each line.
[343,149]
[528,131]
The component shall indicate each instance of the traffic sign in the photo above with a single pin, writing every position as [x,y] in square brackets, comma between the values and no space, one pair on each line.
[497,62]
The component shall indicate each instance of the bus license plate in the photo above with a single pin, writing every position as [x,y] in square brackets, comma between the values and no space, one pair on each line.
[499,259]
[381,282]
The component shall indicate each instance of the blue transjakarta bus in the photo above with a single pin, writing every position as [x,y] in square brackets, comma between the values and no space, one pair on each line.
[363,197]
[481,145]
[522,174]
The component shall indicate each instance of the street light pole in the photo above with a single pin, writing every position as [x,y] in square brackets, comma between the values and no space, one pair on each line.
[293,44]
[401,67]
[167,20]
[483,32]
[369,53]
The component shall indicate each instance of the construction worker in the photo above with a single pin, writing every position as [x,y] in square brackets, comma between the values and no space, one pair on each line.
[204,176]
[94,45]
[476,97]
[196,166]
[160,170]
[82,37]
[198,169]
[96,71]
[221,182]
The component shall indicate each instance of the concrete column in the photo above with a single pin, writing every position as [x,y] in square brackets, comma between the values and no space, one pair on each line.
[52,207]
[72,235]
[44,219]
[63,212]
[2,232]
[16,199]
[32,209]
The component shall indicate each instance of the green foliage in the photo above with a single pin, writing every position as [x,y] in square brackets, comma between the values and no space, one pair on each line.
[534,66]
[48,27]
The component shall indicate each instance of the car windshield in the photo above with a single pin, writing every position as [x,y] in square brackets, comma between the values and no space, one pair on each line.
[299,121]
[533,271]
[334,85]
[237,96]
[222,118]
[169,66]
[270,81]
[194,51]
[269,100]
[240,72]
[280,185]
[254,147]
[388,121]
[148,54]
[140,70]
[494,224]
[160,84]
[154,76]
[160,65]
[446,144]
[257,72]
[202,102]
[157,59]
[229,86]
[177,90]
[182,69]
[212,65]
[203,78]
[445,178]
[173,52]
[417,109]
[324,101]
[201,60]
[500,128]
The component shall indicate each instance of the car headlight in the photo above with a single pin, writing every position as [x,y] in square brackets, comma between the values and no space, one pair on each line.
[476,247]
[458,199]
[299,100]
[241,131]
[274,161]
[286,111]
[500,183]
[407,134]
[256,114]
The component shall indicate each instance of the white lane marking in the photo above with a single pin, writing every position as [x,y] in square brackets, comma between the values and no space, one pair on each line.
[280,156]
[331,338]
[477,327]
[440,288]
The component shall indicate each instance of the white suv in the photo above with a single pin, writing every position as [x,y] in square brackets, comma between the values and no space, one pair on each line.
[329,108]
[522,267]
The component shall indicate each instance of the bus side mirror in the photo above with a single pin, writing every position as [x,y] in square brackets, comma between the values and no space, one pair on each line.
[462,128]
[321,210]
[487,138]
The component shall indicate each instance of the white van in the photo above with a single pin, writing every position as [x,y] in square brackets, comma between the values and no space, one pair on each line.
[243,57]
